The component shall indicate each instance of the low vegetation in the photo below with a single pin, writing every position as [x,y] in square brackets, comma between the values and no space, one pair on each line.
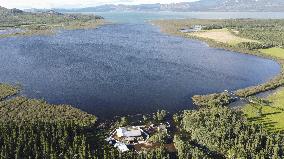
[21,109]
[271,115]
[274,52]
[31,128]
[7,90]
[44,22]
[222,99]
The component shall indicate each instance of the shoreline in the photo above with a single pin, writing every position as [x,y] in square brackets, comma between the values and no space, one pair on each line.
[214,44]
[275,82]
[52,29]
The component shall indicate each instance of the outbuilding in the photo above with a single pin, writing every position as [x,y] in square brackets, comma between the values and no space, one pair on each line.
[121,147]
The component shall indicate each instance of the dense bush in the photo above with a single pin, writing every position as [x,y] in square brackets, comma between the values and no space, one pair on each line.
[271,36]
[42,140]
[212,26]
[227,132]
[212,100]
[160,116]
[253,45]
[21,109]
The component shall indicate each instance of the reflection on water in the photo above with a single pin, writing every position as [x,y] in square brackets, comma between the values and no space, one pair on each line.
[125,69]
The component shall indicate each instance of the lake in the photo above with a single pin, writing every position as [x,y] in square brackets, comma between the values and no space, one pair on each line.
[126,68]
[141,17]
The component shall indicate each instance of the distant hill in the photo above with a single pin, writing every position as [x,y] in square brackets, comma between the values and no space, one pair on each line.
[202,5]
[39,18]
[15,12]
[10,11]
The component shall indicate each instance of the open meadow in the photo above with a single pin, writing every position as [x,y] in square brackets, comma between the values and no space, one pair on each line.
[221,35]
[272,115]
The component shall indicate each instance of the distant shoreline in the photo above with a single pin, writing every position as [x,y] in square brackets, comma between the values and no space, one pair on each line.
[51,30]
[215,44]
[173,27]
[14,22]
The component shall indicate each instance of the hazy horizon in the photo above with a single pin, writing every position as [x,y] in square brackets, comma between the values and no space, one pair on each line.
[47,4]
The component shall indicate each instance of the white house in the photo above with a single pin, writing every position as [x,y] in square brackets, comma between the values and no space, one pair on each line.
[123,132]
[127,136]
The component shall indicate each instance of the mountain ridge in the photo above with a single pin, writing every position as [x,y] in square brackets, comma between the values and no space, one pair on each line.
[202,5]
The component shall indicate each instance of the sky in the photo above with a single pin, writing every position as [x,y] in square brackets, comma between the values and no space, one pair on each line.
[24,4]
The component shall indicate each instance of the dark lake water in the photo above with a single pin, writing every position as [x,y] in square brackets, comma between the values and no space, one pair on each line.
[125,69]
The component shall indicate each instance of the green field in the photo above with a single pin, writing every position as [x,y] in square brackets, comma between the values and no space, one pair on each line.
[272,115]
[276,52]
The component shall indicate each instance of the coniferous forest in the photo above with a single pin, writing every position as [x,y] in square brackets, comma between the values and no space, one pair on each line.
[32,128]
[35,129]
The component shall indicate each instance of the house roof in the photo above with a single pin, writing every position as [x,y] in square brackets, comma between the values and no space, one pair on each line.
[123,132]
[121,147]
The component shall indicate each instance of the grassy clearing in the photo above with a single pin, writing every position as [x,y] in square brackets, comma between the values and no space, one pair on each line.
[221,35]
[272,116]
[7,90]
[275,52]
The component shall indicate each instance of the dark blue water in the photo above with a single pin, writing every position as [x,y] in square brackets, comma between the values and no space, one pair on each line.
[125,69]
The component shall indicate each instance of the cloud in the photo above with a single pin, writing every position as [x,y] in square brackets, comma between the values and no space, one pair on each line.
[22,4]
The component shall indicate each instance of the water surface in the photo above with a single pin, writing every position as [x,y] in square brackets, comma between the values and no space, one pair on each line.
[141,17]
[125,69]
